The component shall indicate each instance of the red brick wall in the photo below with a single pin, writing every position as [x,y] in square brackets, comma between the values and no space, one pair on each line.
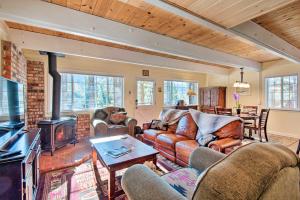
[14,66]
[13,63]
[35,93]
[83,125]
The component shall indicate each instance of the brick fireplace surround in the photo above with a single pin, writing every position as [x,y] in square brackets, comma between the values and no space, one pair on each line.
[31,74]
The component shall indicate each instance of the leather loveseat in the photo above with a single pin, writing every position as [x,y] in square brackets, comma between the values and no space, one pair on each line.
[179,141]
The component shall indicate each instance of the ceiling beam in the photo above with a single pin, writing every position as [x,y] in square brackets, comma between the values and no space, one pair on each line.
[261,36]
[243,32]
[37,41]
[42,14]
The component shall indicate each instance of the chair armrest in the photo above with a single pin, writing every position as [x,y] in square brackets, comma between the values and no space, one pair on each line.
[98,122]
[146,125]
[130,122]
[221,144]
[139,182]
[204,157]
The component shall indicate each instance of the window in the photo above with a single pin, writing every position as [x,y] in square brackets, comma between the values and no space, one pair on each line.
[282,92]
[82,92]
[145,93]
[177,90]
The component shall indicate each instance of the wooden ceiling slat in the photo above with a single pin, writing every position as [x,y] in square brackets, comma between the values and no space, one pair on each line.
[283,22]
[140,14]
[230,13]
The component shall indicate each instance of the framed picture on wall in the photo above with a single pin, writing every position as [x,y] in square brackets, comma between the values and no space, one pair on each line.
[243,91]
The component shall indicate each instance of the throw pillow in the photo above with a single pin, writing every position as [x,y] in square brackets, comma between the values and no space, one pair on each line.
[158,125]
[118,117]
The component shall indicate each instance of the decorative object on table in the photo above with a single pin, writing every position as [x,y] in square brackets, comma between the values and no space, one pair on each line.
[118,152]
[236,97]
[241,83]
[191,93]
[145,72]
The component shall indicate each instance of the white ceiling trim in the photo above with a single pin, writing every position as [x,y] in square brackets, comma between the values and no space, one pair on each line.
[246,32]
[46,15]
[36,41]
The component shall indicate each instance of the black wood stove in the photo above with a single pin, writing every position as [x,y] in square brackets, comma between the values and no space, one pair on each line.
[57,131]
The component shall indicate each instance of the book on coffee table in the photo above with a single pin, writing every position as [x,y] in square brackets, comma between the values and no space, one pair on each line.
[118,151]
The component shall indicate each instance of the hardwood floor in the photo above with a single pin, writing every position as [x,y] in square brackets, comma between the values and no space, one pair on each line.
[81,152]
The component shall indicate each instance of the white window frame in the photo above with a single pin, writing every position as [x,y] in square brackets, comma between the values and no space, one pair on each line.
[267,96]
[154,95]
[179,80]
[83,73]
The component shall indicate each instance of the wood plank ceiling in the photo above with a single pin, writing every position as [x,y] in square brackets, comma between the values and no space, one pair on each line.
[140,14]
[283,22]
[230,13]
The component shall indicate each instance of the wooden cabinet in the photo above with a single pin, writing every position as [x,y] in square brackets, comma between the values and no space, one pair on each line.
[19,175]
[212,96]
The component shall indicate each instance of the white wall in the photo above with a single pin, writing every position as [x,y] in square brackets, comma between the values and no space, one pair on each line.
[130,72]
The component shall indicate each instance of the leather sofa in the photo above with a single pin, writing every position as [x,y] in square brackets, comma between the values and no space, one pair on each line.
[179,141]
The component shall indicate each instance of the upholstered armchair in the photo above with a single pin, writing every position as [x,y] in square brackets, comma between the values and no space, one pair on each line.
[105,126]
[262,171]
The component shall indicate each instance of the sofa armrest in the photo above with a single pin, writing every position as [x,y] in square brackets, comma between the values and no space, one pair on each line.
[204,157]
[139,182]
[146,125]
[221,144]
[131,124]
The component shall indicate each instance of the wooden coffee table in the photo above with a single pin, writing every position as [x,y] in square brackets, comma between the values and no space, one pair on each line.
[139,154]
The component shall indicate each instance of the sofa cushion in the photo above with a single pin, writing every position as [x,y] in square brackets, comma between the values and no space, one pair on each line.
[117,129]
[100,114]
[151,134]
[168,141]
[184,150]
[187,127]
[183,181]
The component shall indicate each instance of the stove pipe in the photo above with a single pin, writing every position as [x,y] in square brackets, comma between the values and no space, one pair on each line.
[52,60]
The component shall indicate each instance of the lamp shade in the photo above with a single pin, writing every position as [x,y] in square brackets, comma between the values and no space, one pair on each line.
[190,92]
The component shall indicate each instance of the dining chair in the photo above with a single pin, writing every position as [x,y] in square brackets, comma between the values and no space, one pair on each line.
[261,126]
[208,109]
[224,111]
[249,109]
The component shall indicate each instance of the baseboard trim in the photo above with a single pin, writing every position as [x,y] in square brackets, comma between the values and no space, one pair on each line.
[284,134]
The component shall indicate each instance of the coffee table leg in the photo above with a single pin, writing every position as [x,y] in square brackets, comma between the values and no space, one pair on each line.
[111,185]
[155,161]
[94,157]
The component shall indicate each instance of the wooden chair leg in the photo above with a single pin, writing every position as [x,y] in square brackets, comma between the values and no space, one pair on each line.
[298,149]
[259,134]
[266,135]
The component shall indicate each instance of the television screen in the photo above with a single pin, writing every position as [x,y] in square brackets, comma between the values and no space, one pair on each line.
[12,106]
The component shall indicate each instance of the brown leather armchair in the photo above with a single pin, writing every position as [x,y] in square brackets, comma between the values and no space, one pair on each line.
[179,142]
[103,127]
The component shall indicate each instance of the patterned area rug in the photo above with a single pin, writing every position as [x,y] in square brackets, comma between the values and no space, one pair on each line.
[80,182]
